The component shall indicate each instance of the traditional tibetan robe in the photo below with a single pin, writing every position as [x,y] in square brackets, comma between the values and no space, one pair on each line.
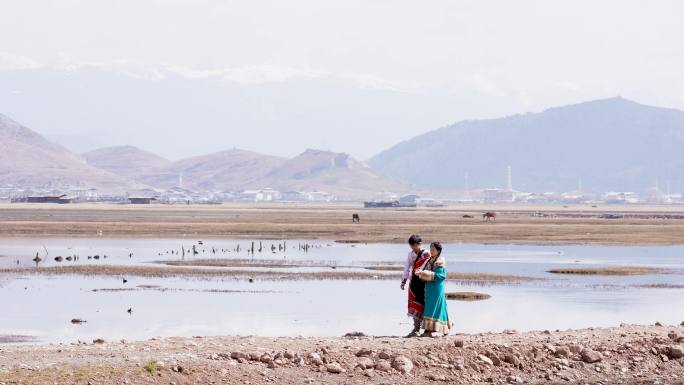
[416,292]
[435,314]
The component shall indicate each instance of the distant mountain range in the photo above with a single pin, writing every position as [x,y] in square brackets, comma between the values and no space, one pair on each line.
[609,144]
[235,170]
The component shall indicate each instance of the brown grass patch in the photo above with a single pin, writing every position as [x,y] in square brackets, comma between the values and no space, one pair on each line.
[467,296]
[196,272]
[613,270]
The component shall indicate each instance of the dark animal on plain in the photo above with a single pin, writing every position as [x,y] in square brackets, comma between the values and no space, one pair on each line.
[78,321]
[356,218]
[58,259]
[467,216]
[488,216]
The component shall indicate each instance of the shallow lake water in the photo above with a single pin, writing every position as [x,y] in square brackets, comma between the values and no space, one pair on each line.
[42,306]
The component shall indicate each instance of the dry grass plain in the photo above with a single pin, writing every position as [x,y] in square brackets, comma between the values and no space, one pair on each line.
[580,224]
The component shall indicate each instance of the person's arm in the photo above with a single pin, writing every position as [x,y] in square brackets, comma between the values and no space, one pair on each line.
[407,270]
[437,274]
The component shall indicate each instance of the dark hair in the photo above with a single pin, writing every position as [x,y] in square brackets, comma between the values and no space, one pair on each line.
[437,246]
[415,239]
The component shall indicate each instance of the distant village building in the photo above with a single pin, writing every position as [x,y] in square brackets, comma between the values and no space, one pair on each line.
[621,197]
[263,195]
[410,198]
[141,200]
[495,195]
[320,196]
[84,194]
[294,196]
[60,199]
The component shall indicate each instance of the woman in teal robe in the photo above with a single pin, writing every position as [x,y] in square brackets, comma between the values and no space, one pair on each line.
[435,314]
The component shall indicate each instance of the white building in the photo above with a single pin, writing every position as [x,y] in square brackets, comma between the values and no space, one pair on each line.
[319,196]
[263,195]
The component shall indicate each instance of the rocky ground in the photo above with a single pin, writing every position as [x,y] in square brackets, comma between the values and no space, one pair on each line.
[622,355]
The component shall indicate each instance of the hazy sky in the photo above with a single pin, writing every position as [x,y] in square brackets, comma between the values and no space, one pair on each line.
[182,78]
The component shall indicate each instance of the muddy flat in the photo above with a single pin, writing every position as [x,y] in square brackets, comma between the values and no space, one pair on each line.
[631,225]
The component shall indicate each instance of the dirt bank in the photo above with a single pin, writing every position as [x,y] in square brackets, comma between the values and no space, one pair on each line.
[623,355]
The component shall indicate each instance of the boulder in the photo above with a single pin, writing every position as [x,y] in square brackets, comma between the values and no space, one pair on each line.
[402,364]
[676,352]
[384,356]
[364,352]
[315,359]
[591,356]
[562,352]
[365,363]
[334,367]
[459,343]
[383,366]
[512,359]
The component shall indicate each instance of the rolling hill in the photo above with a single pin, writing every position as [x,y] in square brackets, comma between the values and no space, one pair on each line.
[27,159]
[239,170]
[611,144]
[128,161]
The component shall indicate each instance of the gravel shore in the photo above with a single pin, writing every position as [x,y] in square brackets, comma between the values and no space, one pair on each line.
[627,354]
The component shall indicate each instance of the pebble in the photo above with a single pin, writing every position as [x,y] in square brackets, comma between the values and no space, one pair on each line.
[485,359]
[436,377]
[459,343]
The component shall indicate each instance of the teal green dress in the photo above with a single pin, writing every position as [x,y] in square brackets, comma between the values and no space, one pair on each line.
[435,315]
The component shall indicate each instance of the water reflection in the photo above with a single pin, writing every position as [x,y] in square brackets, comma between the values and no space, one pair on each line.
[42,306]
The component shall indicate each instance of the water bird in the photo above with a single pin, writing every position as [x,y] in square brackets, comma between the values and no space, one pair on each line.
[125,280]
[37,259]
[130,255]
[68,258]
[200,242]
[96,256]
[58,259]
[251,279]
[130,310]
